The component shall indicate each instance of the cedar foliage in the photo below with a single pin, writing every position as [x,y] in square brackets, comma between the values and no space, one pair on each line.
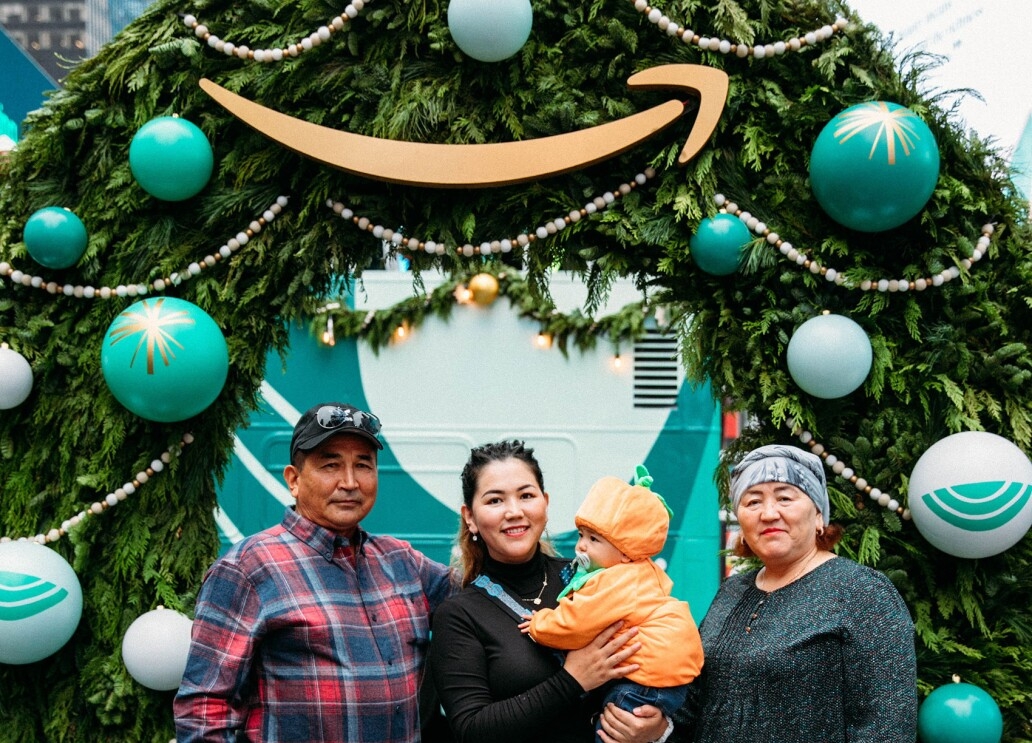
[949,359]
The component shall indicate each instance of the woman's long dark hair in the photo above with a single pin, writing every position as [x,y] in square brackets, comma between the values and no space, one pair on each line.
[471,554]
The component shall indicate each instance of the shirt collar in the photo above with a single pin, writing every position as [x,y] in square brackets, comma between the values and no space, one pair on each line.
[319,538]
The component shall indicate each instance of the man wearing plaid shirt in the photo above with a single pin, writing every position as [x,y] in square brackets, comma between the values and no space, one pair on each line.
[314,631]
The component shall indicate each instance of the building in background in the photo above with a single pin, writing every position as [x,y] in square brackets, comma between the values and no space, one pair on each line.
[52,31]
[105,18]
[60,33]
[23,87]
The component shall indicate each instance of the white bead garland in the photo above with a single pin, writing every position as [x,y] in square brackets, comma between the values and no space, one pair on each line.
[840,469]
[309,42]
[158,285]
[498,245]
[725,46]
[111,499]
[837,277]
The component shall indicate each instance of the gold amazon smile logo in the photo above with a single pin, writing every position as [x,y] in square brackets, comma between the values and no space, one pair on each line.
[495,164]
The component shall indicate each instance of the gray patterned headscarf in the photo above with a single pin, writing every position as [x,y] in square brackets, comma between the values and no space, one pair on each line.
[780,463]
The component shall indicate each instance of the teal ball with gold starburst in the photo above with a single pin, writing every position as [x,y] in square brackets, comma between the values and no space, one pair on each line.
[165,359]
[874,166]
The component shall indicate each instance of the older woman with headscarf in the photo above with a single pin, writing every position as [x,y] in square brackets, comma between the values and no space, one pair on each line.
[810,647]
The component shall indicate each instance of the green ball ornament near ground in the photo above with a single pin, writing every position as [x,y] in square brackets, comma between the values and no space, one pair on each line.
[490,30]
[171,158]
[874,166]
[55,237]
[959,713]
[164,359]
[718,243]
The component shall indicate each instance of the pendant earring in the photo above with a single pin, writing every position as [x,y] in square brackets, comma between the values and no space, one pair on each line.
[474,537]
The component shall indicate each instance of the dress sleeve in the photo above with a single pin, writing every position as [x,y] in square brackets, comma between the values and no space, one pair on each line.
[880,666]
[459,668]
[210,703]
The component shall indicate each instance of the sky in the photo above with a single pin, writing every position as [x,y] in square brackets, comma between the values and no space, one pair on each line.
[988,50]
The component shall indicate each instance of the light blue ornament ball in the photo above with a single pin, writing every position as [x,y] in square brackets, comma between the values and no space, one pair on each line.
[959,713]
[15,378]
[164,359]
[171,158]
[490,30]
[829,356]
[874,166]
[718,243]
[55,237]
[40,602]
[970,494]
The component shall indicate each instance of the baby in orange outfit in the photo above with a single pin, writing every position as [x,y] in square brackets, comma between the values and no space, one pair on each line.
[621,528]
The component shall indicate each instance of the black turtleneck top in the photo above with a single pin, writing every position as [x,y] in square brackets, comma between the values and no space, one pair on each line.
[495,683]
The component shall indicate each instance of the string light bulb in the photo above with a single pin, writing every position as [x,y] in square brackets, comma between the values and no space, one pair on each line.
[544,340]
[327,336]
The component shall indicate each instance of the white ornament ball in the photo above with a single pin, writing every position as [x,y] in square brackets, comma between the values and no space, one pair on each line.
[829,356]
[155,648]
[971,494]
[490,30]
[40,602]
[15,379]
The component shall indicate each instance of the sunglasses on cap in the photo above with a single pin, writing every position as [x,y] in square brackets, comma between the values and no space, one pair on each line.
[333,416]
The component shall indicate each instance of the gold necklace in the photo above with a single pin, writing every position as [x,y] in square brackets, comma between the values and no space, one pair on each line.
[537,599]
[795,576]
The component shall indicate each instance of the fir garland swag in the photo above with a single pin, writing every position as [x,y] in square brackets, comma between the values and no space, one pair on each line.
[378,327]
[950,360]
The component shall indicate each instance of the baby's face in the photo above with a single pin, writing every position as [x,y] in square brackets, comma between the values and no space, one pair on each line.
[595,551]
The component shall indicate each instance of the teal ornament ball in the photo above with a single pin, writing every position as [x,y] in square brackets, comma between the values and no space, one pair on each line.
[164,359]
[829,356]
[171,158]
[55,237]
[155,648]
[874,166]
[40,602]
[15,378]
[959,713]
[718,243]
[490,30]
[970,494]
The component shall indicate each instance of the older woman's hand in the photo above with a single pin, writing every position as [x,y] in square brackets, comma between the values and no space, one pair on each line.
[603,658]
[646,723]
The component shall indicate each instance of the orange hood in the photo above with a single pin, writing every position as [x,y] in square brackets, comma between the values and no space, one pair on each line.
[630,517]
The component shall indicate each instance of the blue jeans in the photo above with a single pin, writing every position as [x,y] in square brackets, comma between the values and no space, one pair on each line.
[628,695]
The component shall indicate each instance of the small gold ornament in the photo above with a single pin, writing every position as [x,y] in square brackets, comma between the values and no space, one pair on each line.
[484,288]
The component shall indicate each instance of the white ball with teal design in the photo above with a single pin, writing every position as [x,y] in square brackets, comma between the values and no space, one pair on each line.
[40,602]
[971,494]
[155,648]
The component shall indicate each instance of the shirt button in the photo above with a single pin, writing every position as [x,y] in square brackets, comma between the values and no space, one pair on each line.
[754,616]
[748,629]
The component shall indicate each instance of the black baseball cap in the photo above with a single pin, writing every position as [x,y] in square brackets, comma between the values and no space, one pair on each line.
[329,419]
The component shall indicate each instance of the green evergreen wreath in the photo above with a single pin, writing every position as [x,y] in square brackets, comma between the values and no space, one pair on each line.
[947,360]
